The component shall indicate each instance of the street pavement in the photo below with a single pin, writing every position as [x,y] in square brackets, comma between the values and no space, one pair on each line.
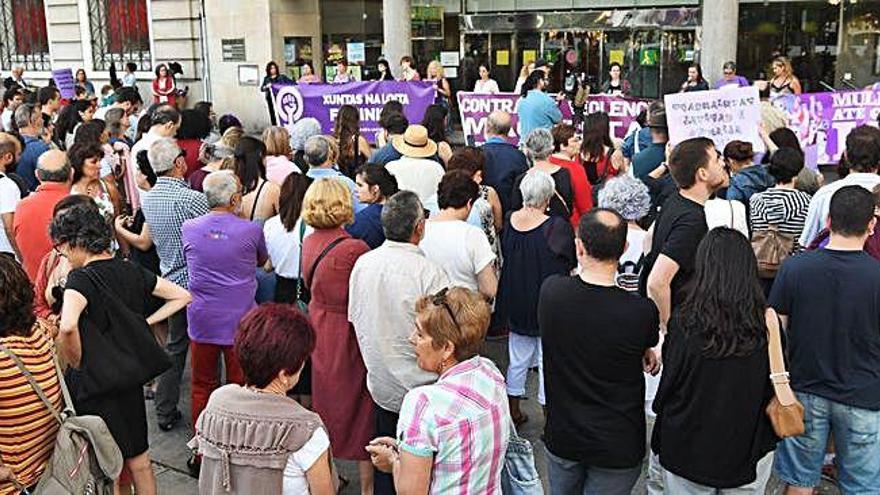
[169,452]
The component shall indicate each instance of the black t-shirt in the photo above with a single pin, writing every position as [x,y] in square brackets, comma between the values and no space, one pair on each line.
[711,427]
[832,299]
[680,227]
[562,200]
[131,283]
[593,340]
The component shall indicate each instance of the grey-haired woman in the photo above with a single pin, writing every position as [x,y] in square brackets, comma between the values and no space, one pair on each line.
[629,197]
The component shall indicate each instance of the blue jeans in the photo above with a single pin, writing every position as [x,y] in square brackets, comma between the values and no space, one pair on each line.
[574,477]
[856,441]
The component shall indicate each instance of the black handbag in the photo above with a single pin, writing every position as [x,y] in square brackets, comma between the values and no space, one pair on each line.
[120,356]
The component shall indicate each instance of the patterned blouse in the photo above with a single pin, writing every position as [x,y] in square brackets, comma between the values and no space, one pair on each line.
[463,421]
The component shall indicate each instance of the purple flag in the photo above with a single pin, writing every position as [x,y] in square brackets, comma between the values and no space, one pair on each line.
[322,102]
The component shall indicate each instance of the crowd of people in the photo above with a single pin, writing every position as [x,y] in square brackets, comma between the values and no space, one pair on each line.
[348,291]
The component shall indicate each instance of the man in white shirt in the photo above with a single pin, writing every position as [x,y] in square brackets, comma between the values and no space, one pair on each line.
[10,194]
[415,171]
[12,98]
[862,152]
[459,247]
[384,287]
[126,98]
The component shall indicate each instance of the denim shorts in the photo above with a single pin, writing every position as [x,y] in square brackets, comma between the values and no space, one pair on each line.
[856,440]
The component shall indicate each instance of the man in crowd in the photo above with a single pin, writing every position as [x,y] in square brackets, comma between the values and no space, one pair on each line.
[34,213]
[317,155]
[504,161]
[222,253]
[10,194]
[394,124]
[698,171]
[16,79]
[861,155]
[594,336]
[385,284]
[415,171]
[12,98]
[651,156]
[50,101]
[125,98]
[829,301]
[636,141]
[164,123]
[29,121]
[169,204]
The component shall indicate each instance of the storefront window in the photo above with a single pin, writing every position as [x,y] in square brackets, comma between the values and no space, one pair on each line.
[806,32]
[859,60]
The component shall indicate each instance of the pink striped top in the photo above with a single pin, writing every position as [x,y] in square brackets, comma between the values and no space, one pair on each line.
[463,421]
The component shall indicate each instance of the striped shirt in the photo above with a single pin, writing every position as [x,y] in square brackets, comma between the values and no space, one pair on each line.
[463,421]
[785,208]
[27,428]
[170,203]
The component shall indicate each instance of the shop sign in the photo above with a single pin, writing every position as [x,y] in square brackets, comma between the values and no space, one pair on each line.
[356,53]
[649,56]
[233,50]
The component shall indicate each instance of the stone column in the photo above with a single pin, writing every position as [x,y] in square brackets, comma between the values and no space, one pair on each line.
[397,31]
[719,36]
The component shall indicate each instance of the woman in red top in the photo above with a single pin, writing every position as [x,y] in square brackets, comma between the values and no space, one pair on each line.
[596,150]
[566,148]
[164,90]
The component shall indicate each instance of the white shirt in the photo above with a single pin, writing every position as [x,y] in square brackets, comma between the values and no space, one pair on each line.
[295,482]
[101,113]
[10,195]
[461,249]
[487,87]
[6,119]
[419,175]
[283,246]
[146,141]
[821,202]
[727,213]
[382,292]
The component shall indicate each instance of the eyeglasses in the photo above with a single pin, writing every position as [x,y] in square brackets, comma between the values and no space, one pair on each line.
[439,299]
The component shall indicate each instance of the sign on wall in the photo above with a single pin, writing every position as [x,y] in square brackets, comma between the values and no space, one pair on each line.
[233,50]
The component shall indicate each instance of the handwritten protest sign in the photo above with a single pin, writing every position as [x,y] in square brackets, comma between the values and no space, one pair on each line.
[65,82]
[720,115]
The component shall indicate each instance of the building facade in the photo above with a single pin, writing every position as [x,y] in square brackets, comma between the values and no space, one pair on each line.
[224,45]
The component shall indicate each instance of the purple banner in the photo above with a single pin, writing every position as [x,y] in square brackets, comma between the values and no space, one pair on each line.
[65,83]
[475,109]
[322,101]
[823,120]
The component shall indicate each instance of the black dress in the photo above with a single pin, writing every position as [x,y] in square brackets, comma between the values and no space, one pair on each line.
[123,411]
[563,197]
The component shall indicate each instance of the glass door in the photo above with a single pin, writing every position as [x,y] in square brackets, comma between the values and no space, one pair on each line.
[527,50]
[677,54]
[644,66]
[502,59]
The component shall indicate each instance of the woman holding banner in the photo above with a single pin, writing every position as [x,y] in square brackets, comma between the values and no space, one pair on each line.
[784,81]
[485,85]
[616,85]
[273,76]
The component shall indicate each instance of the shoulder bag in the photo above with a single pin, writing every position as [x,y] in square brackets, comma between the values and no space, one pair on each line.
[771,248]
[120,356]
[519,475]
[786,413]
[303,290]
[85,458]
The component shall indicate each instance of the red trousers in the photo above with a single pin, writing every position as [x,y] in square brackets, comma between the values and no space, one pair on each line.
[206,372]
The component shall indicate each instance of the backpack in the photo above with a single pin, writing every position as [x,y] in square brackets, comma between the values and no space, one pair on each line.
[771,249]
[85,458]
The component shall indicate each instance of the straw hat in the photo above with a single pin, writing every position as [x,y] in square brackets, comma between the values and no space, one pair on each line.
[415,143]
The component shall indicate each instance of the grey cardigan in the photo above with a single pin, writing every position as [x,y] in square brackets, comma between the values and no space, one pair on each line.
[245,438]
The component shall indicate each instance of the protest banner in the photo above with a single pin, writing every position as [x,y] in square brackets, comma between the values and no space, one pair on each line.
[322,102]
[822,121]
[65,83]
[720,115]
[474,110]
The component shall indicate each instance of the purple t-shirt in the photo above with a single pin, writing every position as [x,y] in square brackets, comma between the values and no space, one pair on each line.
[738,81]
[222,252]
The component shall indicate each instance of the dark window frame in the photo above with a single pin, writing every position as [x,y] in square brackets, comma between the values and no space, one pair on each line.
[24,42]
[120,33]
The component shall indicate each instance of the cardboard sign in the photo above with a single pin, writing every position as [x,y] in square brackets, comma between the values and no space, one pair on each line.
[722,116]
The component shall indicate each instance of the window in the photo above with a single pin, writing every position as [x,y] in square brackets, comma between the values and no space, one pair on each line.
[120,34]
[24,42]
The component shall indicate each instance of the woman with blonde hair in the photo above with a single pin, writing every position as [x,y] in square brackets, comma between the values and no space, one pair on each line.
[339,391]
[435,74]
[469,395]
[784,81]
[278,153]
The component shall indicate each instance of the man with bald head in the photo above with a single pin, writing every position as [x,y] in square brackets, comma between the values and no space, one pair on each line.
[34,213]
[595,336]
[10,194]
[504,162]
